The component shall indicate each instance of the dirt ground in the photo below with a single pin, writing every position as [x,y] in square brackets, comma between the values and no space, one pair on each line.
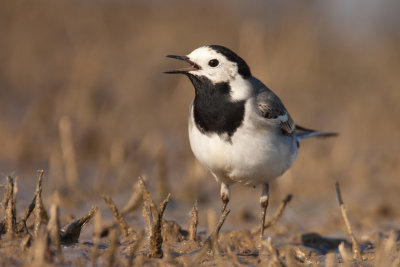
[84,98]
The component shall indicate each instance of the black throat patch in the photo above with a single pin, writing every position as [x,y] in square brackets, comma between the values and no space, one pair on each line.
[213,110]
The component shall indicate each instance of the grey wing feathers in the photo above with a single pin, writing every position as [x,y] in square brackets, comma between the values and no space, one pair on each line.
[271,107]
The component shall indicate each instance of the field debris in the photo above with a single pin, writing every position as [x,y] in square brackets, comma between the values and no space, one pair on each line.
[357,252]
[96,237]
[39,210]
[53,227]
[194,222]
[387,253]
[21,226]
[128,233]
[113,247]
[147,197]
[163,242]
[156,238]
[212,240]
[132,249]
[9,204]
[132,204]
[68,153]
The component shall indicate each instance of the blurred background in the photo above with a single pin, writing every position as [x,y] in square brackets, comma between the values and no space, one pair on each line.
[83,96]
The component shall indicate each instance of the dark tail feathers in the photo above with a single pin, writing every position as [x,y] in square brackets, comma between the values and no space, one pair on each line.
[302,133]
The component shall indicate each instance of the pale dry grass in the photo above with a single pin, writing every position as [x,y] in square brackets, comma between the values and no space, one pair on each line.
[165,243]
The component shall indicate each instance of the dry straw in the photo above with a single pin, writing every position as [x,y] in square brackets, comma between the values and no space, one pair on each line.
[194,222]
[68,153]
[134,247]
[357,253]
[154,220]
[156,239]
[111,258]
[212,240]
[53,227]
[39,211]
[128,233]
[10,208]
[132,204]
[96,237]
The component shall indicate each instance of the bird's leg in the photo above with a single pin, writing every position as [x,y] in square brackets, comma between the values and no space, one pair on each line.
[225,192]
[264,204]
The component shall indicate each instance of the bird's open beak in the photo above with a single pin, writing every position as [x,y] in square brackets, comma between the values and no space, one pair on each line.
[193,66]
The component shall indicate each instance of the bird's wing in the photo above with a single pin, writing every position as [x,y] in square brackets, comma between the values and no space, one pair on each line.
[272,109]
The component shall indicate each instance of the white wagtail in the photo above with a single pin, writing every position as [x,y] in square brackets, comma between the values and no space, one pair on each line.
[238,128]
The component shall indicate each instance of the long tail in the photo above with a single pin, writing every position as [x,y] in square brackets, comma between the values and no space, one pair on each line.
[302,133]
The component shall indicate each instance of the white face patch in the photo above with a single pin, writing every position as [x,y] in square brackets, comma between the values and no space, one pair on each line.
[225,71]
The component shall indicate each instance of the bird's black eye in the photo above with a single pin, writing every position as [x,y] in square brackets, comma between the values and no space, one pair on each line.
[213,63]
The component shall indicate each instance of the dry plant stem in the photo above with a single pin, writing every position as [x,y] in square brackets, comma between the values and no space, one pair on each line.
[70,233]
[40,248]
[10,208]
[5,196]
[53,228]
[113,248]
[148,217]
[30,209]
[134,247]
[156,239]
[357,253]
[216,251]
[134,201]
[330,260]
[38,205]
[21,227]
[213,236]
[211,220]
[128,233]
[345,255]
[15,192]
[96,237]
[68,153]
[386,253]
[147,196]
[132,204]
[220,222]
[194,222]
[276,216]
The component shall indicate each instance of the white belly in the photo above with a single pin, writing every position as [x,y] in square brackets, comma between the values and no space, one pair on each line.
[254,156]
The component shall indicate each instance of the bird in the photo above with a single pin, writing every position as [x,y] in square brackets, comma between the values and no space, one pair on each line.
[239,129]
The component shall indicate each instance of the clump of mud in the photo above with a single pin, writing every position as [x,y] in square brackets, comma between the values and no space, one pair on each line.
[48,239]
